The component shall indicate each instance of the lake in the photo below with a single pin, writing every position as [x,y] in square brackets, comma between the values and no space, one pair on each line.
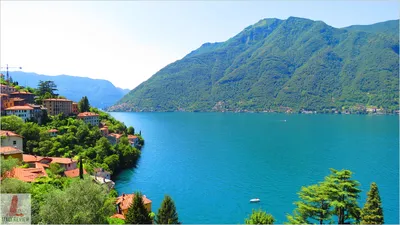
[212,164]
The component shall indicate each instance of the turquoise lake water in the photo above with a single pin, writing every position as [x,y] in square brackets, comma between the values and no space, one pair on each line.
[213,163]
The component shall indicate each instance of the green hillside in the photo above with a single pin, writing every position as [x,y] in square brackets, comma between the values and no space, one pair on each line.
[274,64]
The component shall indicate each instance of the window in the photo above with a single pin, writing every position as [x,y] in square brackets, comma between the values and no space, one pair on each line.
[14,142]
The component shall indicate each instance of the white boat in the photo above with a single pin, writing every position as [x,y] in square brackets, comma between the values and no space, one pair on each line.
[255,200]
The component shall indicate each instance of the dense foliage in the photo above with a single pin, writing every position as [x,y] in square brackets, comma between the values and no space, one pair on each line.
[259,217]
[167,212]
[274,64]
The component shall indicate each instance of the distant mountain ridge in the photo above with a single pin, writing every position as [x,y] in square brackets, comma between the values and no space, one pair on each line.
[101,93]
[277,64]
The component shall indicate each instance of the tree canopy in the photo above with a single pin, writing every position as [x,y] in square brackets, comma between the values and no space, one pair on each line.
[167,212]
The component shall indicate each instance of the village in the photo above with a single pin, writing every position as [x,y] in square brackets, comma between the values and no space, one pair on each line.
[22,104]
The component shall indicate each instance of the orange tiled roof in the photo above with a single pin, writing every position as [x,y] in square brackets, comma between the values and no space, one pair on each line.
[52,130]
[57,99]
[9,133]
[104,128]
[132,136]
[85,114]
[32,158]
[22,92]
[117,136]
[119,216]
[74,172]
[125,201]
[8,150]
[20,108]
[3,95]
[26,174]
[17,99]
[41,165]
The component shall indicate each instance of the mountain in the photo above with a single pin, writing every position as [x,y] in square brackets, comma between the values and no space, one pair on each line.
[390,26]
[277,64]
[101,93]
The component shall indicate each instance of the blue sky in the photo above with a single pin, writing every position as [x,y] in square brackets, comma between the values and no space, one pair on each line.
[126,42]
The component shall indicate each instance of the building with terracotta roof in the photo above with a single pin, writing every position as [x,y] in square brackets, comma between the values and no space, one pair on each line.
[73,173]
[75,109]
[90,117]
[124,201]
[133,140]
[56,106]
[104,131]
[66,163]
[5,89]
[9,151]
[114,138]
[24,112]
[11,139]
[27,96]
[3,99]
[26,174]
[18,101]
[53,132]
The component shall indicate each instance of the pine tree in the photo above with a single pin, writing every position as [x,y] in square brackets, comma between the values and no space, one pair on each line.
[137,213]
[167,212]
[80,168]
[372,213]
[260,217]
[343,193]
[314,203]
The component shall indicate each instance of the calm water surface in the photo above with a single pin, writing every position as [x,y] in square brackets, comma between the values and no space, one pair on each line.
[213,163]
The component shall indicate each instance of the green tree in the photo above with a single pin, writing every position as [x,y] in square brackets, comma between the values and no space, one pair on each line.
[82,202]
[343,194]
[137,213]
[11,185]
[83,104]
[30,133]
[296,218]
[56,169]
[8,164]
[167,212]
[46,87]
[11,123]
[131,130]
[372,213]
[314,203]
[259,217]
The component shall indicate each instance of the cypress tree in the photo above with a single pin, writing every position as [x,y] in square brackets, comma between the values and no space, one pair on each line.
[80,168]
[372,213]
[137,212]
[167,212]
